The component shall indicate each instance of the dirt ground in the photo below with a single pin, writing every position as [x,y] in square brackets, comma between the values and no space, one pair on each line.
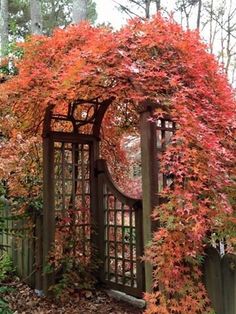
[23,300]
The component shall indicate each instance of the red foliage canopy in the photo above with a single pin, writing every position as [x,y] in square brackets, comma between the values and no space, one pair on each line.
[157,61]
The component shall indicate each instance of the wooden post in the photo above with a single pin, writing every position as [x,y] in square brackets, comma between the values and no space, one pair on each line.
[149,181]
[31,252]
[48,209]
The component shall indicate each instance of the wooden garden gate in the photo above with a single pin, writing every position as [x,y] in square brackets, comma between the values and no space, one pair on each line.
[120,235]
[81,199]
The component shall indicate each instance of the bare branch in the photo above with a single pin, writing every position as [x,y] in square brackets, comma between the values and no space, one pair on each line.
[222,25]
[137,3]
[127,10]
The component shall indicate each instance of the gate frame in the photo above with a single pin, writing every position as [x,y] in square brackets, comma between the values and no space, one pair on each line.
[149,164]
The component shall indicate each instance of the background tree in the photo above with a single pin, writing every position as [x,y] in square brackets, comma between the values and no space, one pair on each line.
[216,22]
[54,13]
[4,26]
[223,19]
[186,7]
[79,12]
[59,13]
[19,19]
[36,17]
[91,11]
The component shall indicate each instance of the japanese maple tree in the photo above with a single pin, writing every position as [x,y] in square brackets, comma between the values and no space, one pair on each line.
[145,61]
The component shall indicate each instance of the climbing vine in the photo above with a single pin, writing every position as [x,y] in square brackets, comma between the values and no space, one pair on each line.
[145,61]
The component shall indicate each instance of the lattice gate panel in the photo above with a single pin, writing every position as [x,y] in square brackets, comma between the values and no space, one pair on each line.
[73,199]
[122,242]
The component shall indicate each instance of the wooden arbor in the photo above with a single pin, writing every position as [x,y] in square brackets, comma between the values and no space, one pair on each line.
[80,198]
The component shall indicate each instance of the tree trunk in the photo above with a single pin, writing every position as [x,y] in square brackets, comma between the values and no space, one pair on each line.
[147,8]
[158,5]
[211,25]
[79,11]
[4,27]
[36,17]
[199,14]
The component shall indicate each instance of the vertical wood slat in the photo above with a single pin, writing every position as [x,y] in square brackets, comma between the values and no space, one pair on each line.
[123,243]
[73,193]
[10,224]
[228,266]
[14,244]
[1,233]
[101,229]
[39,252]
[7,215]
[63,176]
[31,253]
[24,240]
[19,249]
[96,214]
[4,240]
[220,281]
[131,247]
[108,235]
[115,239]
[93,153]
[212,278]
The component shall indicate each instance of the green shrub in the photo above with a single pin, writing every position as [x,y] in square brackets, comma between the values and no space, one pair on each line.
[4,308]
[6,267]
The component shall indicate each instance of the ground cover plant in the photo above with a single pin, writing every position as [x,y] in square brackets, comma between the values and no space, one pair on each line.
[153,61]
[7,273]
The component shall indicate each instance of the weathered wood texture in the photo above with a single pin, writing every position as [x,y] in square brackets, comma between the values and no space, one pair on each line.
[18,238]
[149,182]
[121,238]
[48,208]
[220,281]
[228,266]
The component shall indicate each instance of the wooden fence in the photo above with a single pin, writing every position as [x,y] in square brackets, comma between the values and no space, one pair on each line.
[220,281]
[19,238]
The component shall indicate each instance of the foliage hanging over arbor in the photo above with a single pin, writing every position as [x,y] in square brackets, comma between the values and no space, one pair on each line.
[145,61]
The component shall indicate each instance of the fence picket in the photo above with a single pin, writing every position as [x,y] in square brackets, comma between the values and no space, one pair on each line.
[212,276]
[18,237]
[229,283]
